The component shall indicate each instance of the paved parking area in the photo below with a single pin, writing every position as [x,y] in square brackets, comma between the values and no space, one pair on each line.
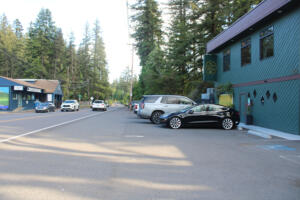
[14,124]
[114,155]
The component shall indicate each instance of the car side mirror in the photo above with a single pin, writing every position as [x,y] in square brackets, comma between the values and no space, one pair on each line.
[191,111]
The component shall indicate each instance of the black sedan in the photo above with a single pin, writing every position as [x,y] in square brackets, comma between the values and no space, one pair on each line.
[45,107]
[222,116]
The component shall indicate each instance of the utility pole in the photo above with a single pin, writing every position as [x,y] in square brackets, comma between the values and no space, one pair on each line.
[132,56]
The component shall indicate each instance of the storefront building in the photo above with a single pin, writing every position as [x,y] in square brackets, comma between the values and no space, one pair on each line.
[22,94]
[260,56]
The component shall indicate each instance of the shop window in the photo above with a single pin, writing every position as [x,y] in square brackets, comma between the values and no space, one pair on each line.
[246,52]
[15,96]
[33,97]
[266,43]
[24,97]
[226,60]
[274,97]
[28,97]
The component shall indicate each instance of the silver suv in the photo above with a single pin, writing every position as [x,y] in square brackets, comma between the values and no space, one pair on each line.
[153,106]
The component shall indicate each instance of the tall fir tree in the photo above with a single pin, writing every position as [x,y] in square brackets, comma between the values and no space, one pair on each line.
[147,32]
[100,84]
[40,46]
[178,55]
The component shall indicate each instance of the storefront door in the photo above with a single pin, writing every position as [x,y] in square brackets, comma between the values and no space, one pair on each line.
[19,100]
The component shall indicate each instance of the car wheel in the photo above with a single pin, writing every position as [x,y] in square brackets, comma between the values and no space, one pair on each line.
[175,123]
[227,124]
[155,117]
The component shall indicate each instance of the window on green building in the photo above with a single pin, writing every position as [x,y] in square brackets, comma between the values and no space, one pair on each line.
[226,60]
[246,52]
[266,43]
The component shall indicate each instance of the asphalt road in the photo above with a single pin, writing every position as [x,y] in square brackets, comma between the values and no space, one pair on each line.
[114,156]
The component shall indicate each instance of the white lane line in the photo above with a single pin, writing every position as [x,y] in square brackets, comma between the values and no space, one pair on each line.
[49,127]
[291,159]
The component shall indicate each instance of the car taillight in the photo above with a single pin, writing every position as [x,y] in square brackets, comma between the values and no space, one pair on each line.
[142,105]
[135,106]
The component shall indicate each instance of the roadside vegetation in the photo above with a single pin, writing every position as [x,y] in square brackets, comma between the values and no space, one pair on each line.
[171,57]
[170,52]
[43,52]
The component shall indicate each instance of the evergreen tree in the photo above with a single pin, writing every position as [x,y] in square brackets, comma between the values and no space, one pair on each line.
[84,62]
[147,32]
[179,56]
[8,47]
[71,67]
[99,77]
[40,46]
[59,53]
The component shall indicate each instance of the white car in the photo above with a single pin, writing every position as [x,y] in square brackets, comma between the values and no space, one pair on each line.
[69,105]
[99,105]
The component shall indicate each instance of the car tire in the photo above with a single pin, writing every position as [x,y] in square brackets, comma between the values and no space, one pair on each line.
[227,124]
[155,117]
[175,123]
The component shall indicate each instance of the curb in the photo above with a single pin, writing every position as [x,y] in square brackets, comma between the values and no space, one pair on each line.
[267,133]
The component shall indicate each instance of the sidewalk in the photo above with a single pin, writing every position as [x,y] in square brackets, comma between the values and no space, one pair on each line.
[17,111]
[267,133]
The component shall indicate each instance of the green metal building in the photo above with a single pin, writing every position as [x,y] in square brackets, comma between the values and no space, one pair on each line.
[260,56]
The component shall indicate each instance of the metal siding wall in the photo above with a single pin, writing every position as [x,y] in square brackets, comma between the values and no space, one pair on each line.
[285,61]
[281,115]
[284,115]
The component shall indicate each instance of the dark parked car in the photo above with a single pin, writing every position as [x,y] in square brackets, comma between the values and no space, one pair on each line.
[219,115]
[45,107]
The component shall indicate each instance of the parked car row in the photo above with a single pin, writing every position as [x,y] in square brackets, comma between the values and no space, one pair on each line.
[70,105]
[177,111]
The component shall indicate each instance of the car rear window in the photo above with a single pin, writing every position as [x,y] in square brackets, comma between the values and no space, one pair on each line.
[70,101]
[98,101]
[150,99]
